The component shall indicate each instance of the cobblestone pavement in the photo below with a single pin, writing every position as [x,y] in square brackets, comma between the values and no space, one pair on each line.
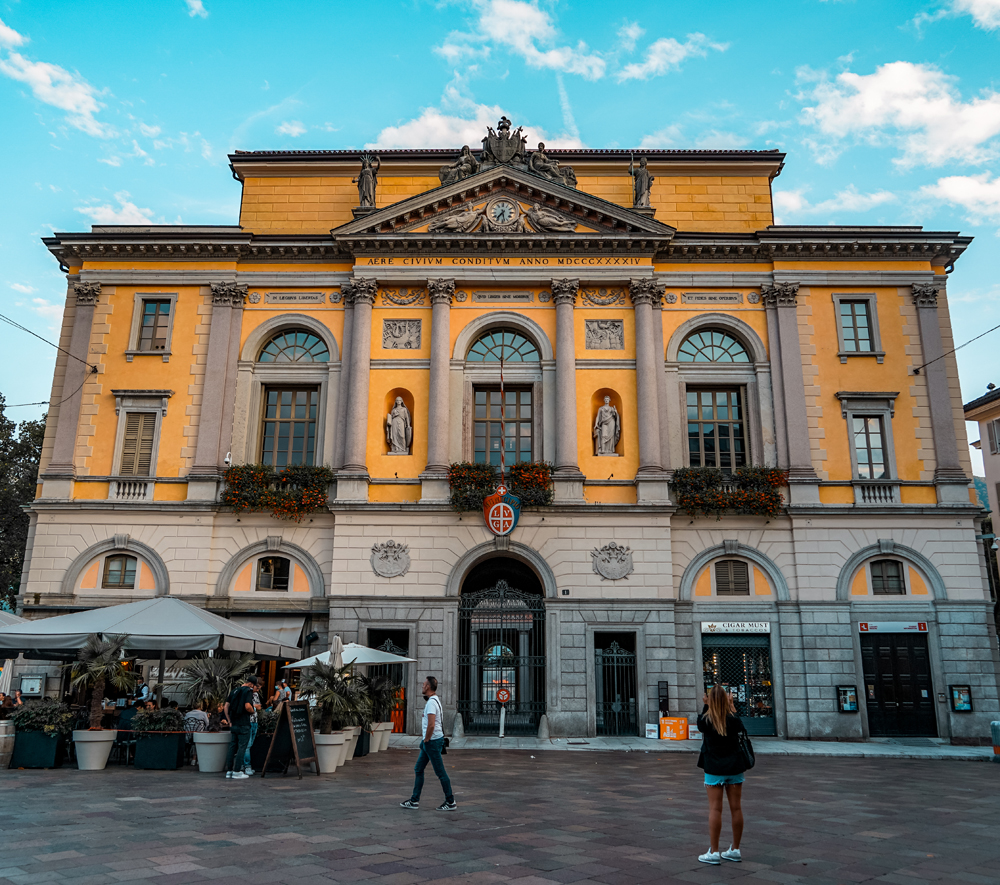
[613,818]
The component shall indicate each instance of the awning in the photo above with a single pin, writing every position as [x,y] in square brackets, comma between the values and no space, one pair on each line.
[285,630]
[6,619]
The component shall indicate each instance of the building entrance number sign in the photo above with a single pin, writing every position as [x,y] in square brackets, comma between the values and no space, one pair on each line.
[892,627]
[503,696]
[501,511]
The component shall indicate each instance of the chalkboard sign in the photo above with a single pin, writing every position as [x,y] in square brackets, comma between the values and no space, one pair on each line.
[293,738]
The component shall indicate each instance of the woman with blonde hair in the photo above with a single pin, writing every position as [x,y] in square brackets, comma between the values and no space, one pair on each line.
[723,763]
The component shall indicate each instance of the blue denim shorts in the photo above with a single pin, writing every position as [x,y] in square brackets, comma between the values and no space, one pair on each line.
[719,780]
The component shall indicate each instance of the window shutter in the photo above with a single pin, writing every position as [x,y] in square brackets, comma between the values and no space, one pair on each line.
[991,431]
[137,447]
[732,578]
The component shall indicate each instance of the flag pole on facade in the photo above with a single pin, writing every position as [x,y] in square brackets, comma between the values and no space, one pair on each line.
[503,425]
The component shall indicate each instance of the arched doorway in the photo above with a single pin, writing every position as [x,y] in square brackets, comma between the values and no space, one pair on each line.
[501,644]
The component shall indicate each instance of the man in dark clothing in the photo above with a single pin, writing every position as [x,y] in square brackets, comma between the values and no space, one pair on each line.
[239,708]
[127,715]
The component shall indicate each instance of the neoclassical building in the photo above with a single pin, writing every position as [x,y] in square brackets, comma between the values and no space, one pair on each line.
[651,318]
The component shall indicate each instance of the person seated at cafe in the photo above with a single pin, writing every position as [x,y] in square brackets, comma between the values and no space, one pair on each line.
[217,720]
[196,719]
[127,715]
[6,707]
[172,705]
[18,700]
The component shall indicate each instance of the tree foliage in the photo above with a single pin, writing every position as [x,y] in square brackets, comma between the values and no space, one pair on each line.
[99,662]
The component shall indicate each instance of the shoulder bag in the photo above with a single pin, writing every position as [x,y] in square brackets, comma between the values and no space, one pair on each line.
[746,749]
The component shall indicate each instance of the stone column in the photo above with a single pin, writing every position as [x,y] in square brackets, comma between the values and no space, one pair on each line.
[662,397]
[949,477]
[219,377]
[352,483]
[567,477]
[434,480]
[781,298]
[650,480]
[340,443]
[59,473]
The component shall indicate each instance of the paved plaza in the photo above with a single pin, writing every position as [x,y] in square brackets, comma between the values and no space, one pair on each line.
[529,818]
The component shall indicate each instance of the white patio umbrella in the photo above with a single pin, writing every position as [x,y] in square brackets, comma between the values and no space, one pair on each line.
[352,654]
[7,673]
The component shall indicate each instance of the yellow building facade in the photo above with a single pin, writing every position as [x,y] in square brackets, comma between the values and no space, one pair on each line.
[651,319]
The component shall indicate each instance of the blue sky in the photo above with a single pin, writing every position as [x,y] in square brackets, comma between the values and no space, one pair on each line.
[124,112]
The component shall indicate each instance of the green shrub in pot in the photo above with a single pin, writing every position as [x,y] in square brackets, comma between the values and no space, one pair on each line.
[41,728]
[159,739]
[212,680]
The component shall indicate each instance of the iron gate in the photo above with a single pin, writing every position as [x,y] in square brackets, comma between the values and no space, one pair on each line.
[615,684]
[742,665]
[396,672]
[501,644]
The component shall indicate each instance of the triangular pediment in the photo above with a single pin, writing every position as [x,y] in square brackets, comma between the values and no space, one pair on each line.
[504,201]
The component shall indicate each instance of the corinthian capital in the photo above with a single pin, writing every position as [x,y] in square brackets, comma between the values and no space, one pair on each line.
[441,291]
[925,296]
[362,291]
[780,294]
[87,293]
[564,291]
[229,294]
[646,290]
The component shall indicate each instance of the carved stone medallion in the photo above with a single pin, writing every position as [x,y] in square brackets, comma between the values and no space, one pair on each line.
[254,297]
[671,298]
[612,561]
[605,334]
[404,297]
[401,334]
[461,296]
[335,297]
[390,560]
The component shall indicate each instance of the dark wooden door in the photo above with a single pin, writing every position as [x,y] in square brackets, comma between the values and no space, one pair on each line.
[898,687]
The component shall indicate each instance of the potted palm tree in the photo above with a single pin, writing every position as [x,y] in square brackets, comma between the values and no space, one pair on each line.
[99,663]
[159,739]
[381,693]
[212,680]
[41,730]
[337,698]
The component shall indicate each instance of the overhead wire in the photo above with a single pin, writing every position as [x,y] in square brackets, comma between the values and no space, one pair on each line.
[916,371]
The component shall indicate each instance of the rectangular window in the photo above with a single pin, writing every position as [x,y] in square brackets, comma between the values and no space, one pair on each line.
[272,573]
[487,438]
[154,324]
[716,432]
[869,447]
[119,572]
[993,434]
[137,445]
[887,578]
[855,325]
[289,434]
[732,578]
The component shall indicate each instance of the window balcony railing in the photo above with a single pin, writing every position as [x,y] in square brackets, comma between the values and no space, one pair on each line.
[131,490]
[874,492]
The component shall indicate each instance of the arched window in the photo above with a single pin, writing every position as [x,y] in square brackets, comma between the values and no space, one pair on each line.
[294,346]
[119,572]
[273,572]
[511,346]
[712,346]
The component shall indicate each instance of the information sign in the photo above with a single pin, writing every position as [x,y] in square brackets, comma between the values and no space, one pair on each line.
[735,627]
[892,627]
[293,738]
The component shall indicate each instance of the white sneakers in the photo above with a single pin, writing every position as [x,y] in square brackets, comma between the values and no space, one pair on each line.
[715,857]
[236,775]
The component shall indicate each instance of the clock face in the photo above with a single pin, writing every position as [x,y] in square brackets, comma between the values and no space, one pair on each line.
[502,212]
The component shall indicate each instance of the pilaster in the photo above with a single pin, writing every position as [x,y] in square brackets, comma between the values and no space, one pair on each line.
[651,480]
[353,479]
[567,477]
[434,480]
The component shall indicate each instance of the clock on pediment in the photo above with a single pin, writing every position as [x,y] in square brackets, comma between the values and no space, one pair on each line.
[503,215]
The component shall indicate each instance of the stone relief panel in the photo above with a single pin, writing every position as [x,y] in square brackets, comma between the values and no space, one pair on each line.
[401,334]
[404,297]
[603,297]
[390,560]
[612,561]
[605,334]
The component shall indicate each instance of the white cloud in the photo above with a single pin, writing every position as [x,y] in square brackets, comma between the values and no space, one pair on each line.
[126,213]
[52,312]
[196,7]
[715,140]
[977,194]
[667,53]
[985,13]
[629,34]
[9,37]
[294,128]
[916,107]
[794,202]
[524,29]
[668,137]
[149,131]
[21,287]
[58,87]
[111,161]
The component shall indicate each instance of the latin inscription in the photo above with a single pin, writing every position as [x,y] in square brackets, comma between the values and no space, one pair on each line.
[295,298]
[490,261]
[712,298]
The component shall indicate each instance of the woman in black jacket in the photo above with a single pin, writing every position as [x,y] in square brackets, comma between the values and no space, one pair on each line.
[724,766]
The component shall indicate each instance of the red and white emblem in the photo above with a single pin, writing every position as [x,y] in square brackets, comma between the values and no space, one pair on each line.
[501,510]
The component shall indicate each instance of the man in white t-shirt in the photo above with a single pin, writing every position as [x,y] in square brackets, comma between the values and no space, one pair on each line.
[430,750]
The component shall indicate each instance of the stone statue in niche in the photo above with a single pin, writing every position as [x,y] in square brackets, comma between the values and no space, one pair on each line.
[605,334]
[541,165]
[399,429]
[607,429]
[401,334]
[612,561]
[367,180]
[463,167]
[390,560]
[546,221]
[642,183]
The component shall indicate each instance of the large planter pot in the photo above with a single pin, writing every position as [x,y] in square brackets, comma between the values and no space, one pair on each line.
[37,749]
[384,734]
[159,750]
[212,747]
[93,748]
[375,738]
[6,744]
[328,750]
[353,732]
[363,746]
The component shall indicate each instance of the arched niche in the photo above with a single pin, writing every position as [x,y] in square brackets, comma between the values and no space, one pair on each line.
[502,319]
[266,330]
[389,404]
[887,549]
[488,550]
[126,545]
[728,550]
[596,402]
[235,568]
